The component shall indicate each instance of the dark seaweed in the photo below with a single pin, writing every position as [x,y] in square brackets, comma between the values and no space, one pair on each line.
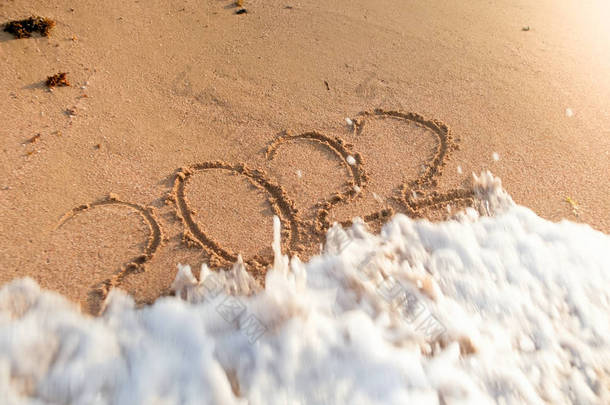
[25,28]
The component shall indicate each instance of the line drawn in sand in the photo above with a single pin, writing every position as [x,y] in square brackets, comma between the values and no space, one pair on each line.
[418,194]
[415,196]
[136,264]
[343,151]
[280,203]
[446,142]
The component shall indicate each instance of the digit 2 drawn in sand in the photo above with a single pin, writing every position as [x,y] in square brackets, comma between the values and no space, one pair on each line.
[418,193]
[138,263]
[446,142]
[415,195]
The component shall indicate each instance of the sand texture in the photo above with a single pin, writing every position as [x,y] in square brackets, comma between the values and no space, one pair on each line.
[183,128]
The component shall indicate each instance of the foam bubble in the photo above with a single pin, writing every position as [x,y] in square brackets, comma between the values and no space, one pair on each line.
[507,308]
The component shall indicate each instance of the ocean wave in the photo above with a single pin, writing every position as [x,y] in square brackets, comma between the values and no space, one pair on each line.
[499,308]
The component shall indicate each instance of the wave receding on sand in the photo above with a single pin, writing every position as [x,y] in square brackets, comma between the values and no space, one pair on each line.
[506,308]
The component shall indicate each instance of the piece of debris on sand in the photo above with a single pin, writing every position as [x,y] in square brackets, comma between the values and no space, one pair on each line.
[33,139]
[71,112]
[574,205]
[58,79]
[25,28]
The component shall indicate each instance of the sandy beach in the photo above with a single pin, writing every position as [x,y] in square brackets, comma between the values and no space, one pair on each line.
[186,127]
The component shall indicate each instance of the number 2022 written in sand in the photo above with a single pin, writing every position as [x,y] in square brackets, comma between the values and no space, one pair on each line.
[413,196]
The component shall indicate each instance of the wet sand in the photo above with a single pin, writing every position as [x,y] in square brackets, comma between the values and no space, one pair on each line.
[203,124]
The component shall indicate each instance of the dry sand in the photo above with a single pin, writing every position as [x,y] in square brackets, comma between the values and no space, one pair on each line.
[194,117]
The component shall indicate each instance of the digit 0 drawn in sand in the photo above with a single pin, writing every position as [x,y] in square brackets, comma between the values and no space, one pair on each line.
[279,202]
[135,265]
[342,151]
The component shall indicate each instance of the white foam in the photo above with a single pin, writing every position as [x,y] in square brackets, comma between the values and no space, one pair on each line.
[510,309]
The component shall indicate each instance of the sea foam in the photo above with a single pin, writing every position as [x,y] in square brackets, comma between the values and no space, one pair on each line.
[501,308]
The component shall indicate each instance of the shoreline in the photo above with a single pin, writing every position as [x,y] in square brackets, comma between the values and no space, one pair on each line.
[156,89]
